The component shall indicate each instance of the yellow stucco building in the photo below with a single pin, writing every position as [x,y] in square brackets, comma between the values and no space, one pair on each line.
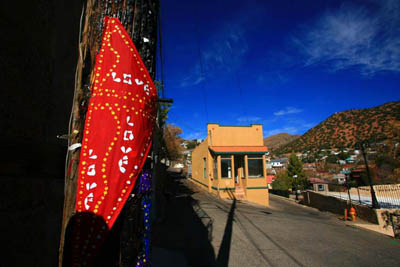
[230,163]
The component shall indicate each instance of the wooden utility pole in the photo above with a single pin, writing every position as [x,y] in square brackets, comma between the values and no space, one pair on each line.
[139,18]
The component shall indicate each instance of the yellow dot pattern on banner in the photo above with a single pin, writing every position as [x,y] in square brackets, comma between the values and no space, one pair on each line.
[143,107]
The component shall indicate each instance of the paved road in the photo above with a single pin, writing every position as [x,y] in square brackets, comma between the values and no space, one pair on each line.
[285,234]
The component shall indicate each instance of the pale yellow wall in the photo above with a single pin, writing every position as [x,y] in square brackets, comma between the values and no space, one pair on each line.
[235,135]
[244,183]
[256,182]
[227,194]
[198,154]
[230,183]
[259,196]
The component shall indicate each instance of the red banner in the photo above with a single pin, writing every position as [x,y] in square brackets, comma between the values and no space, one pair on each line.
[118,128]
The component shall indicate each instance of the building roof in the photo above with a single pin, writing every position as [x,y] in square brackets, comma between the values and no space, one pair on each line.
[274,160]
[238,149]
[317,181]
[310,164]
[233,125]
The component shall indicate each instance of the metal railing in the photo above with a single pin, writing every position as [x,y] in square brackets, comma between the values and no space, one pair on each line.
[388,196]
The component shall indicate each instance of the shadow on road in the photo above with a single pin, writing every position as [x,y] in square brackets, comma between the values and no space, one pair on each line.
[224,250]
[182,228]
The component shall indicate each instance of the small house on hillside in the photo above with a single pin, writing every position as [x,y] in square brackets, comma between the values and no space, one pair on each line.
[319,185]
[230,163]
[310,166]
[340,178]
[277,163]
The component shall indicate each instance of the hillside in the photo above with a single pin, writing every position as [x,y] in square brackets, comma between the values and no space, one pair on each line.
[344,129]
[278,140]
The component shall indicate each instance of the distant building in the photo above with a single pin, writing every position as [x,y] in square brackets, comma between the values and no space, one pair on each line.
[277,163]
[323,174]
[187,155]
[274,163]
[319,185]
[339,178]
[230,163]
[184,144]
[310,166]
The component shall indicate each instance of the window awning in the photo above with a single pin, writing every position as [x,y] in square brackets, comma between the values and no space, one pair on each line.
[238,149]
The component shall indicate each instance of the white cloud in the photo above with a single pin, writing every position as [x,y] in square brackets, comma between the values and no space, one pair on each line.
[225,50]
[272,79]
[248,119]
[194,78]
[355,36]
[195,135]
[289,129]
[287,110]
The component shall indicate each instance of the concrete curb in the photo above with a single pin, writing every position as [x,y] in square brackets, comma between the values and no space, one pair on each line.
[371,227]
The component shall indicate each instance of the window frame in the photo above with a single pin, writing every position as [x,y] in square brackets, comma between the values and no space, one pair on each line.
[255,157]
[230,169]
[215,167]
[204,168]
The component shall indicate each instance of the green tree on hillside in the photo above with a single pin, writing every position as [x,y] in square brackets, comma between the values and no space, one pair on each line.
[295,171]
[342,155]
[191,144]
[282,182]
[332,159]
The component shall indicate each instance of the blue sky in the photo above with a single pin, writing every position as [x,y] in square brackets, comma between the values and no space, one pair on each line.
[287,65]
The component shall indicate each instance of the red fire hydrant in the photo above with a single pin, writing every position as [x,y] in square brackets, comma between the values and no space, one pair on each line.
[353,214]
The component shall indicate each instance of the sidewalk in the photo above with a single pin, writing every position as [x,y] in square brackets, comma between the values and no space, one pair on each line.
[371,227]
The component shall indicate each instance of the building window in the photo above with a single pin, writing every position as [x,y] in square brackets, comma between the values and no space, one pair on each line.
[226,167]
[215,173]
[255,166]
[321,187]
[204,168]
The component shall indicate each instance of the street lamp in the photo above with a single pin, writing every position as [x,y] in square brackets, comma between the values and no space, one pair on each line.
[375,203]
[294,178]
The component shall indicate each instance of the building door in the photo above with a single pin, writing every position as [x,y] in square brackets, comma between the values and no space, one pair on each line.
[239,168]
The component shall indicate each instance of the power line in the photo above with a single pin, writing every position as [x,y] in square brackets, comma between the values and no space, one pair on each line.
[201,68]
[242,106]
[177,118]
[240,94]
[161,54]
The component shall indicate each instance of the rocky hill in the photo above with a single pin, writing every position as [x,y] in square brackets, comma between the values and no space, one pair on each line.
[344,129]
[278,140]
